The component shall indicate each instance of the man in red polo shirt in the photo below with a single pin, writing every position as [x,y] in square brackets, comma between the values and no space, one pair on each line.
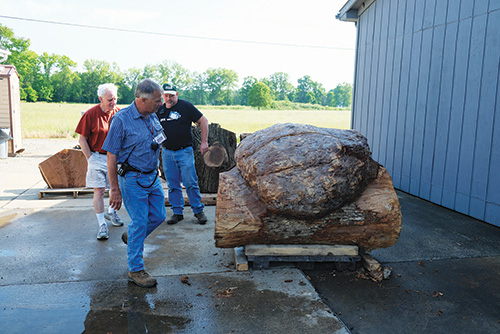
[93,129]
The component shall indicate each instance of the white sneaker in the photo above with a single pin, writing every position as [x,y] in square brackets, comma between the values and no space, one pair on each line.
[103,232]
[113,218]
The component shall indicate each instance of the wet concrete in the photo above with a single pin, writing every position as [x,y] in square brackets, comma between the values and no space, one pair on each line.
[280,301]
[57,278]
[445,278]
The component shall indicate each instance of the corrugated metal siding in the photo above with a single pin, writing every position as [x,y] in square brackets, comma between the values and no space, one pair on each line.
[427,98]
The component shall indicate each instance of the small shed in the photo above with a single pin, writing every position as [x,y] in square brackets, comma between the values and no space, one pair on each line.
[10,107]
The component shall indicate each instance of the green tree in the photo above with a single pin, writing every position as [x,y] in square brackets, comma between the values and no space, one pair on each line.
[243,92]
[330,98]
[304,90]
[151,72]
[66,82]
[25,61]
[260,96]
[220,82]
[130,79]
[281,89]
[319,93]
[343,95]
[174,73]
[43,84]
[96,73]
[309,91]
[196,92]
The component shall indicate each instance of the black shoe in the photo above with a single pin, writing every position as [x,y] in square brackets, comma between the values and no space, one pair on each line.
[175,219]
[125,237]
[202,219]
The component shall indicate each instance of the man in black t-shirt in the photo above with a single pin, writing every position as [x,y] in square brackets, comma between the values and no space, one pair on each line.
[176,117]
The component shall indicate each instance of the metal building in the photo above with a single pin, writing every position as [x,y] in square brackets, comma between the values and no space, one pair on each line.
[427,97]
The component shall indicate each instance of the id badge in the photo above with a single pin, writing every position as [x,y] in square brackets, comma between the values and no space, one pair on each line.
[160,138]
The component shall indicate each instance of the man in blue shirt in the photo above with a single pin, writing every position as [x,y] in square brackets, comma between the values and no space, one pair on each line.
[133,142]
[176,117]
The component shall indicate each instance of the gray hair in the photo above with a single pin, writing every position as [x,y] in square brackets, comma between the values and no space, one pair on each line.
[146,88]
[102,89]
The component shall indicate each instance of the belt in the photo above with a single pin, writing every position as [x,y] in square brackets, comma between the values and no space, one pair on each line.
[178,148]
[100,152]
[133,169]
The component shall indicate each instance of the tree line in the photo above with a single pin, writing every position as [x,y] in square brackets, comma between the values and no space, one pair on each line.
[54,78]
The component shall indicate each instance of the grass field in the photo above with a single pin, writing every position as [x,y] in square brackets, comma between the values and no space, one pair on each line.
[59,120]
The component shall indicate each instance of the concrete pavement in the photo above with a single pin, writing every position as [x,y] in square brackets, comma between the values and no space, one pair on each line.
[445,278]
[55,277]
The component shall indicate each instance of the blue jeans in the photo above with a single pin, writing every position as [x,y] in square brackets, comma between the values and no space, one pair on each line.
[179,167]
[146,208]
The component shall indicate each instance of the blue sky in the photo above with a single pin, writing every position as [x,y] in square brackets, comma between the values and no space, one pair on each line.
[222,29]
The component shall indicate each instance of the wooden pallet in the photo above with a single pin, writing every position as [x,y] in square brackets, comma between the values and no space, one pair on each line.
[304,256]
[66,191]
[207,199]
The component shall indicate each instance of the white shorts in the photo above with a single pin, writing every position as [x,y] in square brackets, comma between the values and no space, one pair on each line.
[97,171]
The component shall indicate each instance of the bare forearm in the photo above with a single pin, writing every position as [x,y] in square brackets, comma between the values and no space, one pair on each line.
[84,144]
[203,124]
[115,196]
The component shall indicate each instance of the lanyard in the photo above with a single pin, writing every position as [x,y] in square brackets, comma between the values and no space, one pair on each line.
[150,129]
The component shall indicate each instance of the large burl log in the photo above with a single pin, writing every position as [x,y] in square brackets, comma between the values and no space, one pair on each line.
[334,194]
[305,171]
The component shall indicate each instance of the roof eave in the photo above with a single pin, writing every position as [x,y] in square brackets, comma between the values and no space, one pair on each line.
[352,9]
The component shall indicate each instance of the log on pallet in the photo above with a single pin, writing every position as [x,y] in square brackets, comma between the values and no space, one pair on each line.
[65,169]
[298,184]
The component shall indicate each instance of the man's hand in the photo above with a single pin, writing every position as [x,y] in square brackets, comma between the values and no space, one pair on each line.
[115,199]
[115,194]
[203,148]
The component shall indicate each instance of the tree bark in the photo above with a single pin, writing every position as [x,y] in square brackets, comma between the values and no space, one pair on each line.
[208,177]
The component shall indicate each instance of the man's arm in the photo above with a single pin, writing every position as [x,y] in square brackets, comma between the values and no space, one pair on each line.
[115,195]
[203,124]
[84,144]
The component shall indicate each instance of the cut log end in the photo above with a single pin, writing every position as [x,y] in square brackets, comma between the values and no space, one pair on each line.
[216,156]
[65,169]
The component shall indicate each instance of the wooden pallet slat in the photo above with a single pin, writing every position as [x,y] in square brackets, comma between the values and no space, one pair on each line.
[63,191]
[240,259]
[261,256]
[206,199]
